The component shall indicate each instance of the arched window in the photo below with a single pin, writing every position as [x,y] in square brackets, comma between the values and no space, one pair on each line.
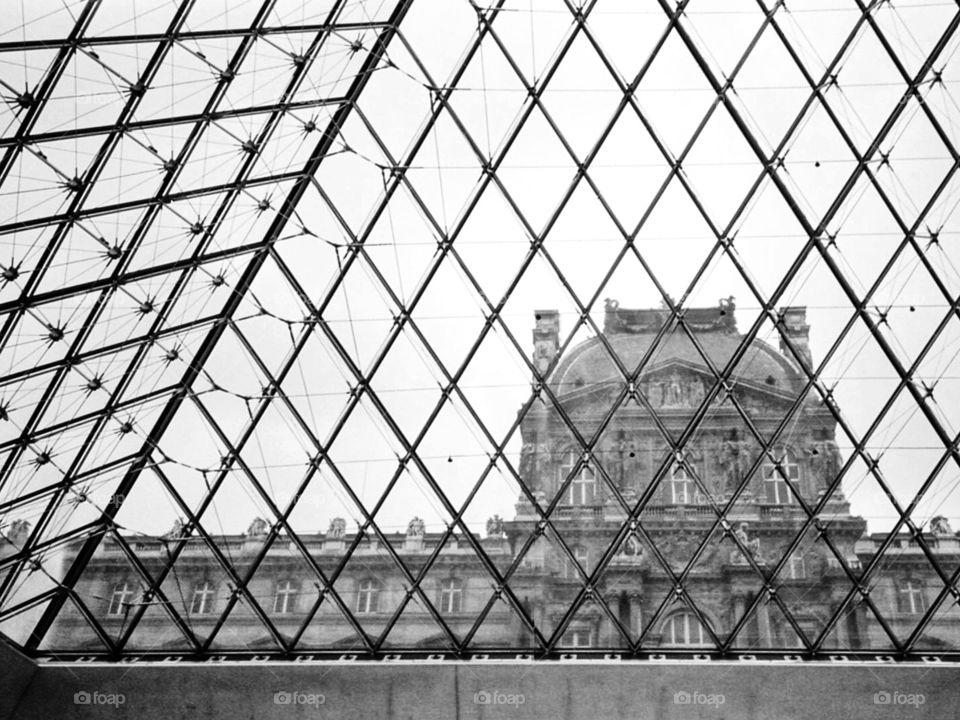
[451,596]
[582,489]
[684,629]
[368,596]
[910,597]
[285,599]
[120,598]
[682,487]
[776,475]
[202,601]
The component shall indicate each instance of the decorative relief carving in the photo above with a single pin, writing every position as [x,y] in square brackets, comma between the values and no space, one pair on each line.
[751,544]
[734,463]
[825,462]
[675,391]
[536,457]
[679,549]
[632,547]
[620,456]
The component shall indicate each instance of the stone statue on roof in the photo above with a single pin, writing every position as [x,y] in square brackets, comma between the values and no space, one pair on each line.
[257,528]
[727,307]
[177,531]
[940,526]
[416,528]
[337,529]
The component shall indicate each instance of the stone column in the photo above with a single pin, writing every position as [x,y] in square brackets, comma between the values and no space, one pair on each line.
[763,622]
[607,634]
[636,613]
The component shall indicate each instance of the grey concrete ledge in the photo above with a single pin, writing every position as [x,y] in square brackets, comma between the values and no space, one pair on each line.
[495,689]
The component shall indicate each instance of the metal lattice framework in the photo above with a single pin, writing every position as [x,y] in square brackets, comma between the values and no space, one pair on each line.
[228,227]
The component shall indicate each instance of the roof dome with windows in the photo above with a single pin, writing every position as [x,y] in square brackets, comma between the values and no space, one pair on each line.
[702,335]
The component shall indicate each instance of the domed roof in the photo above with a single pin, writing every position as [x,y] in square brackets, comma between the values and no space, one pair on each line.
[630,334]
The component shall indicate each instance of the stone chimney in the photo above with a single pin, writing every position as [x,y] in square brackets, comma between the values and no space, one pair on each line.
[546,338]
[794,325]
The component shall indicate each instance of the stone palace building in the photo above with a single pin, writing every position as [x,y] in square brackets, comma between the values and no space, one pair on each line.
[599,439]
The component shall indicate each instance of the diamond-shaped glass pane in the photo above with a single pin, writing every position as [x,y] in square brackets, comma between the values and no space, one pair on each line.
[429,326]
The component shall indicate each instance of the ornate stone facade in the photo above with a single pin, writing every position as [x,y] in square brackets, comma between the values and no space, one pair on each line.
[723,552]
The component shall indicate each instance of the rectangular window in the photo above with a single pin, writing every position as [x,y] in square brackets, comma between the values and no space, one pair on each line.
[775,479]
[202,601]
[582,556]
[451,596]
[120,599]
[578,638]
[286,598]
[910,598]
[367,597]
[798,569]
[582,489]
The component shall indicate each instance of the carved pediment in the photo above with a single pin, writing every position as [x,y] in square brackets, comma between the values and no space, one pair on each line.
[674,388]
[675,385]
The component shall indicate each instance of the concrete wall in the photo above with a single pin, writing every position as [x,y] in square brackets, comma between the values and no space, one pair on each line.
[514,690]
[16,673]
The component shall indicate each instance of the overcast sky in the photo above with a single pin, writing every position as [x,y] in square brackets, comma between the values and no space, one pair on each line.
[492,236]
